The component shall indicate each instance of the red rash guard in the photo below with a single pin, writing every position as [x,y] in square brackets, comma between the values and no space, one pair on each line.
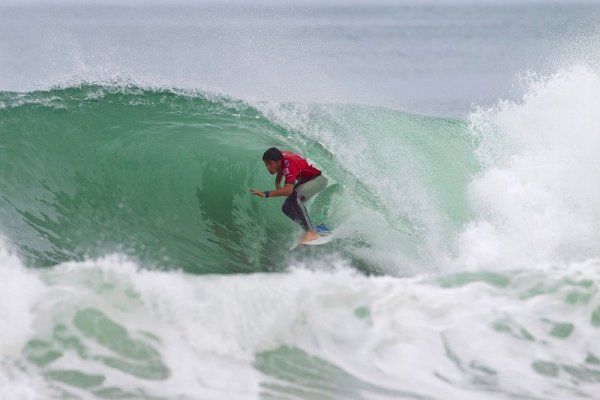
[294,167]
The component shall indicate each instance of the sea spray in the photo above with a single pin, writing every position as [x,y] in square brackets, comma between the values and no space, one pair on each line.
[537,198]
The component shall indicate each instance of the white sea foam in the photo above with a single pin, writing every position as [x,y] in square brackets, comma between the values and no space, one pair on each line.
[472,337]
[19,293]
[538,198]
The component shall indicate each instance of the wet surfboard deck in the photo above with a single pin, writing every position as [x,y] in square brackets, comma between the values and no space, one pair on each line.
[325,236]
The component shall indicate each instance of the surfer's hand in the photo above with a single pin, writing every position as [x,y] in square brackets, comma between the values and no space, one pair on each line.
[257,193]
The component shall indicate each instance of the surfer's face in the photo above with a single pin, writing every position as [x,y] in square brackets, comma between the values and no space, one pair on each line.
[271,166]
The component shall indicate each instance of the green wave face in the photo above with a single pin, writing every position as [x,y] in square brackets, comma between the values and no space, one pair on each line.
[163,177]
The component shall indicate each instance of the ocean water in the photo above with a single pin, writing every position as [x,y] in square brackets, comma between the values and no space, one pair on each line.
[460,140]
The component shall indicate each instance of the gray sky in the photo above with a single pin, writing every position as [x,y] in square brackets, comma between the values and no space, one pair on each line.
[291,2]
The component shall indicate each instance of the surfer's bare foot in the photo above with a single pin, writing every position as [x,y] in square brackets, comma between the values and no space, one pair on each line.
[308,236]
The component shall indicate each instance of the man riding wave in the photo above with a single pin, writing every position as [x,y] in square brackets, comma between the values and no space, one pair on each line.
[302,181]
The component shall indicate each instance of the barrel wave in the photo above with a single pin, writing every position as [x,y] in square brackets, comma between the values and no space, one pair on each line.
[478,239]
[162,176]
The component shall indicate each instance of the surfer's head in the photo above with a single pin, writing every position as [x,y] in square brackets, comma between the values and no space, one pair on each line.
[272,159]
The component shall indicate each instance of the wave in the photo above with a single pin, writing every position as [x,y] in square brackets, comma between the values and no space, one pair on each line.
[505,205]
[163,175]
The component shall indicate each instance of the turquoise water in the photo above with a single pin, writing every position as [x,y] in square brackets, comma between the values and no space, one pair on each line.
[135,264]
[163,176]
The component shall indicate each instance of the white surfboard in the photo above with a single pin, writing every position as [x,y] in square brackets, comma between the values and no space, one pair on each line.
[322,239]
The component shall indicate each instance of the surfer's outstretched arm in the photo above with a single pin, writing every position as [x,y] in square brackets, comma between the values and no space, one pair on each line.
[281,192]
[278,180]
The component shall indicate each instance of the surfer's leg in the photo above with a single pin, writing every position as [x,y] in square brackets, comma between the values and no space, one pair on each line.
[295,210]
[294,207]
[308,189]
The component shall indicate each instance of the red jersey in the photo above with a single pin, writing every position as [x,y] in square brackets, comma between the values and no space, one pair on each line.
[293,167]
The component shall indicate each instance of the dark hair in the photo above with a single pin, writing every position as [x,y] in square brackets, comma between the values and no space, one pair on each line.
[272,154]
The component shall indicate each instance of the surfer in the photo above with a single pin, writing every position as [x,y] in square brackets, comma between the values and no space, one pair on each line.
[302,181]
